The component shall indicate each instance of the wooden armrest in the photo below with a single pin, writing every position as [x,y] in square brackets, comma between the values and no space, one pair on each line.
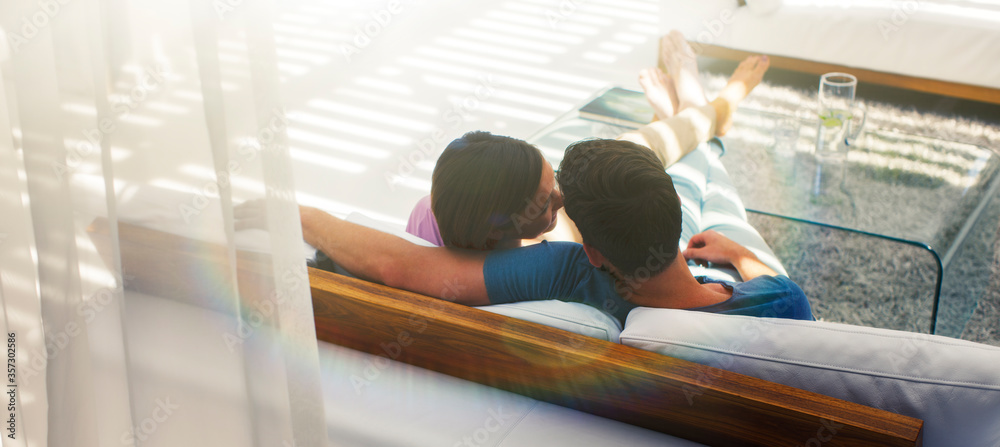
[642,388]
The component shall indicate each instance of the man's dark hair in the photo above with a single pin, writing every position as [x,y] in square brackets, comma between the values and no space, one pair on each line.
[479,182]
[623,203]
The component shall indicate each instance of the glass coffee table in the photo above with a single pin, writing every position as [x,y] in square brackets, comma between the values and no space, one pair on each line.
[932,197]
[930,193]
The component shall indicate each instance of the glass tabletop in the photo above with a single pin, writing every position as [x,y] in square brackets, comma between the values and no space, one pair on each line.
[893,184]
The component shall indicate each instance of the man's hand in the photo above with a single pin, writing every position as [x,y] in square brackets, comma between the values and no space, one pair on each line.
[712,246]
[381,257]
[251,214]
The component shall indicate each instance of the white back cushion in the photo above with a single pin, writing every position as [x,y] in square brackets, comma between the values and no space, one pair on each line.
[574,317]
[953,385]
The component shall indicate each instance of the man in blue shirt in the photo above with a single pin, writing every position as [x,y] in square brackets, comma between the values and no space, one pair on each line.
[630,216]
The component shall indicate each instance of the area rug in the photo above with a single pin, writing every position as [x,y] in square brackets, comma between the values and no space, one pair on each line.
[858,280]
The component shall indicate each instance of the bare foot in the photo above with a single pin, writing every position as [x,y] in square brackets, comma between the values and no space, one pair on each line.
[660,92]
[682,66]
[747,75]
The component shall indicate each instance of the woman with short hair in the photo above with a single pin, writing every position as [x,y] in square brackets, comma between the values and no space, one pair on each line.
[488,192]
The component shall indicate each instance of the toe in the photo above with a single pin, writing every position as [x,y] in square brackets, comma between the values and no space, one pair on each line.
[652,79]
[645,78]
[662,77]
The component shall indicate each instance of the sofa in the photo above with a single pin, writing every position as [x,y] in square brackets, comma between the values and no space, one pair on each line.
[952,385]
[665,378]
[940,46]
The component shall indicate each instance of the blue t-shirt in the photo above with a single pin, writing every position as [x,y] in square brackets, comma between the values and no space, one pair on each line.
[763,296]
[551,271]
[561,270]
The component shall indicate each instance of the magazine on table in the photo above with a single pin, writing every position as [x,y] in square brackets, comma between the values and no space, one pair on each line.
[621,107]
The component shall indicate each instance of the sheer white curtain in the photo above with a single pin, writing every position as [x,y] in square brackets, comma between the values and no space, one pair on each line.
[135,314]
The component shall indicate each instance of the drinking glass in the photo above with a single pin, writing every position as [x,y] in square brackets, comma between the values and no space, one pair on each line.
[786,136]
[840,119]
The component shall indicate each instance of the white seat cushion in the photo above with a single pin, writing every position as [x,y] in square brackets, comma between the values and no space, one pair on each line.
[373,401]
[574,317]
[953,385]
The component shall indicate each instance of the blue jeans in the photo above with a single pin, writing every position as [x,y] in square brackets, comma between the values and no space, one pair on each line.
[710,202]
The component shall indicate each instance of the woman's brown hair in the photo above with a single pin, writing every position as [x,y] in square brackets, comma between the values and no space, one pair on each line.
[480,181]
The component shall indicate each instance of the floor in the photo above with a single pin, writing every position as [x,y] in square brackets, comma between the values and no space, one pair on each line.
[367,125]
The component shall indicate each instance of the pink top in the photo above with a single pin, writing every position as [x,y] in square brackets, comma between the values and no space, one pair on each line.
[422,223]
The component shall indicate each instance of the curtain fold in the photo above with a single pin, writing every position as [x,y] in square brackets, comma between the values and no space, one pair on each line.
[129,129]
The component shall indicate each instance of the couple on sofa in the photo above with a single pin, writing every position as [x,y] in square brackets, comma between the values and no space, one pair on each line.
[630,217]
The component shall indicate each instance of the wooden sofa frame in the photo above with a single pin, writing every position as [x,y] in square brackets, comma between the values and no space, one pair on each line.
[642,388]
